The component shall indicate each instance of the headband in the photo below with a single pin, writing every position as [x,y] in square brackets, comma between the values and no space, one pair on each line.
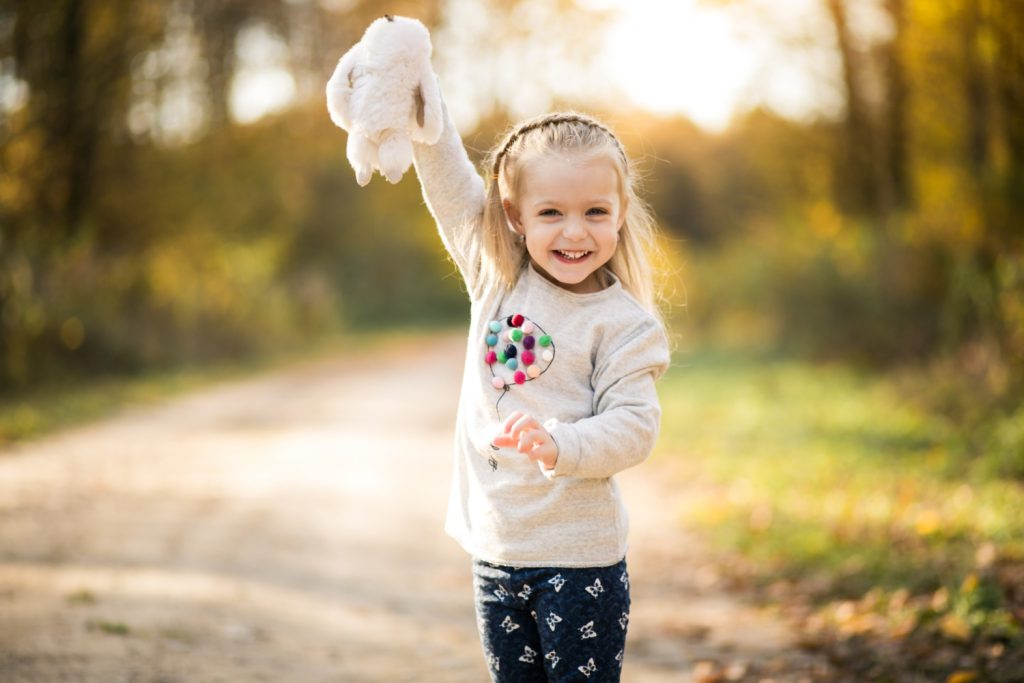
[551,120]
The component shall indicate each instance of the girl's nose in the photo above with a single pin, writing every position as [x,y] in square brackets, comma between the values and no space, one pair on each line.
[573,230]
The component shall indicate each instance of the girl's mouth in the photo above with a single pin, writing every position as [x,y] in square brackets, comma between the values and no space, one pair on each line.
[570,256]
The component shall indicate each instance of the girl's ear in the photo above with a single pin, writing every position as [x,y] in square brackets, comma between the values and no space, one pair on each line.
[512,215]
[622,214]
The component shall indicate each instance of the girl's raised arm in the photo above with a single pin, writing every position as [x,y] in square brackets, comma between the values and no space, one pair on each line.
[454,192]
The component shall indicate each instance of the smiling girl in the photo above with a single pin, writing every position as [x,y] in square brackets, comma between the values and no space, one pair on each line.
[558,390]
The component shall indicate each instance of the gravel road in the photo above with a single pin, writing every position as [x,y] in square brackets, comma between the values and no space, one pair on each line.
[288,527]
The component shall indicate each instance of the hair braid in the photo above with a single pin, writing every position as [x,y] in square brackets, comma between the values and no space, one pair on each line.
[550,120]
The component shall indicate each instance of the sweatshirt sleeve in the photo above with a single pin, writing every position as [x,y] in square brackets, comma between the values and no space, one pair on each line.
[454,193]
[627,415]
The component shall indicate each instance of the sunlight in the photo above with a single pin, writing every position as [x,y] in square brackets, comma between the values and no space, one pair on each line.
[263,83]
[710,62]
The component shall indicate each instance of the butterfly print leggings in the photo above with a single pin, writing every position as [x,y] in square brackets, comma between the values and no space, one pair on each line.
[552,623]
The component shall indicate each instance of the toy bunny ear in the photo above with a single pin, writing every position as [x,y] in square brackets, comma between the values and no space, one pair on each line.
[429,114]
[339,88]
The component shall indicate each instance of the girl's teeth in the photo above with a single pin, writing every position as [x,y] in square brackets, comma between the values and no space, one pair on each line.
[573,254]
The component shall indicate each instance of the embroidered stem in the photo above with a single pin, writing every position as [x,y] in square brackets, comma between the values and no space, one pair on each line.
[498,412]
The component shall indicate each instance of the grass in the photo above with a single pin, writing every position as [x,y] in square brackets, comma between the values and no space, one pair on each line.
[824,475]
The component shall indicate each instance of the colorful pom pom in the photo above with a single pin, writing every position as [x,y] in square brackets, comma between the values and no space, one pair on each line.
[527,357]
[490,357]
[519,377]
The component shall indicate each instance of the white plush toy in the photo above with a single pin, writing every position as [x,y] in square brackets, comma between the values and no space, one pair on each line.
[384,93]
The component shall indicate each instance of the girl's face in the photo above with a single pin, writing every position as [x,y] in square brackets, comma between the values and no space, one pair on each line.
[570,211]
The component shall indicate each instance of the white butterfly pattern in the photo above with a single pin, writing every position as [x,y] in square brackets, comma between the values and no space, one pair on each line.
[509,625]
[557,581]
[589,668]
[623,620]
[595,589]
[588,631]
[528,655]
[553,658]
[501,593]
[553,620]
[625,580]
[493,662]
[525,593]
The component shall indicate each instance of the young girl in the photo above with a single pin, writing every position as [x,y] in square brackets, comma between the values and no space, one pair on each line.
[558,391]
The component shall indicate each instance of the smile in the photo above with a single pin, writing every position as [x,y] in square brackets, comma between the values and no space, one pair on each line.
[570,256]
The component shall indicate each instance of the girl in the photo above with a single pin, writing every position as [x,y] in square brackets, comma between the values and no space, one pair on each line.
[558,392]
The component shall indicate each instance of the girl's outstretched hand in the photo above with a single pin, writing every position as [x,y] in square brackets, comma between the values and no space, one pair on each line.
[524,433]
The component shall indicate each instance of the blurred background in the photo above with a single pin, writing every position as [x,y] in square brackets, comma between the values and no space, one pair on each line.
[835,179]
[849,172]
[839,184]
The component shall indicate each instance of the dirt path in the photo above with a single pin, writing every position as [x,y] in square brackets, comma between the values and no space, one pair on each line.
[289,528]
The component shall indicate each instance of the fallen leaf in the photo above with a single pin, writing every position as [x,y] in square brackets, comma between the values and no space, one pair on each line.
[954,627]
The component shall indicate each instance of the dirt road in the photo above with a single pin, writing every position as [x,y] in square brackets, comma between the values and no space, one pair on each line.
[289,528]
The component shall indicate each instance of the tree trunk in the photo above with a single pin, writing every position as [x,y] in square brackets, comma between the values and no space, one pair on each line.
[855,176]
[1008,24]
[897,143]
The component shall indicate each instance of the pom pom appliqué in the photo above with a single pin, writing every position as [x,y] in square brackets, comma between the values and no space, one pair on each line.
[515,362]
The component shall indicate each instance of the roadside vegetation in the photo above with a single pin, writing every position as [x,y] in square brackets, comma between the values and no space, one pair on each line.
[849,501]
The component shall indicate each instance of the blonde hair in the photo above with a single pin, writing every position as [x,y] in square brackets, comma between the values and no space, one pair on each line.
[504,254]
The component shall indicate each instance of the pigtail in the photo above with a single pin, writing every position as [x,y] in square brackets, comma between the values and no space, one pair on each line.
[503,254]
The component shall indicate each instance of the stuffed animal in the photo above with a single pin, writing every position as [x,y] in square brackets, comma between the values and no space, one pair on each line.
[384,93]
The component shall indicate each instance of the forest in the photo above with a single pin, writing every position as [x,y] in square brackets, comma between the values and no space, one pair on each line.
[149,221]
[145,224]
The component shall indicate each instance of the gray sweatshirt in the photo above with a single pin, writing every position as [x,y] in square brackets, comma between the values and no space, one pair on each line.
[588,365]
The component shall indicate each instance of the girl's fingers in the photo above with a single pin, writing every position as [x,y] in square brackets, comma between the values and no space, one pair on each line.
[528,439]
[522,424]
[511,420]
[503,441]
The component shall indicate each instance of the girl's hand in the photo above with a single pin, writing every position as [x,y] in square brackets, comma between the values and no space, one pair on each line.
[524,433]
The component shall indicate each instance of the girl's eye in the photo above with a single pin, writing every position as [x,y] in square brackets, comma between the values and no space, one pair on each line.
[549,212]
[597,211]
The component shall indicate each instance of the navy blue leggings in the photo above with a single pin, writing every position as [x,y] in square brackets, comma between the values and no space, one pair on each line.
[551,623]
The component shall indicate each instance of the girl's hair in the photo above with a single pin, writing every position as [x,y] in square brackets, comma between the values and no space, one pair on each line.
[504,255]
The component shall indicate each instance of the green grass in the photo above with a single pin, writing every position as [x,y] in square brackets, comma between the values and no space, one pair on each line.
[820,472]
